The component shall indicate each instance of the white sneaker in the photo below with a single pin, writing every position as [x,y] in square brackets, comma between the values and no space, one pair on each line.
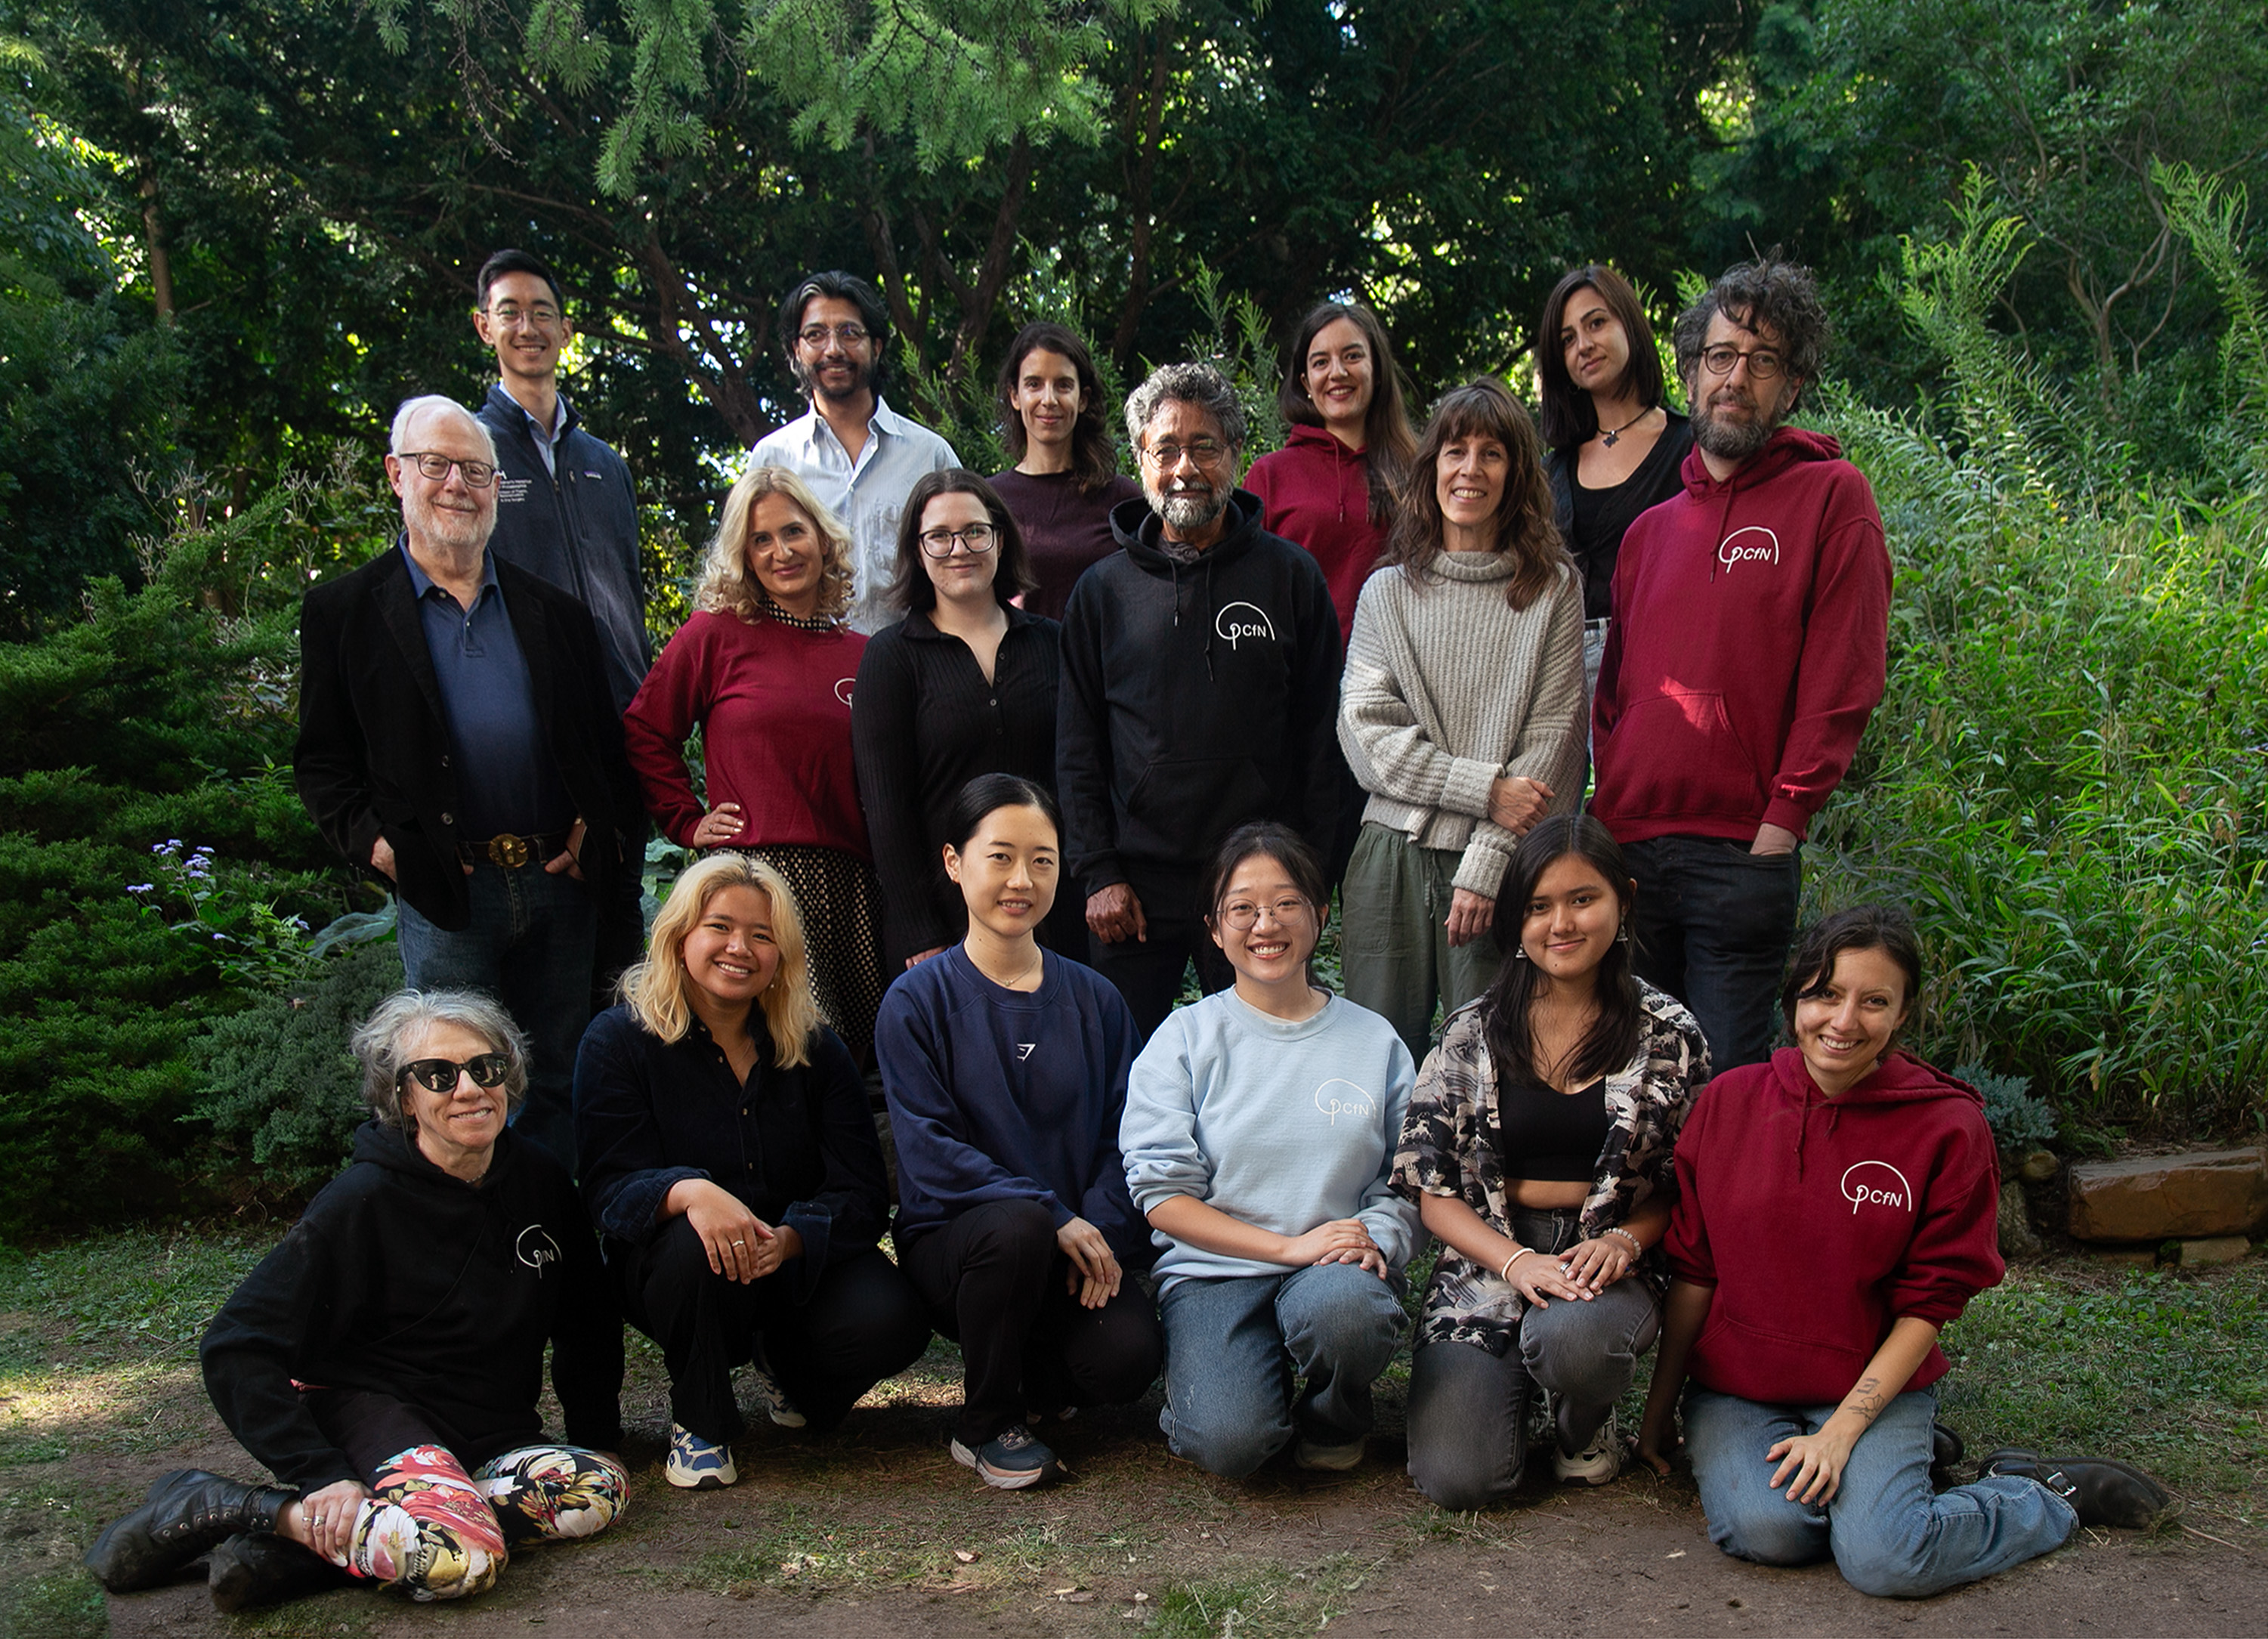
[774,1399]
[1597,1463]
[696,1464]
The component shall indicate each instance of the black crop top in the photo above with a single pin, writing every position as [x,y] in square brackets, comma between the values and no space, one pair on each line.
[1550,1137]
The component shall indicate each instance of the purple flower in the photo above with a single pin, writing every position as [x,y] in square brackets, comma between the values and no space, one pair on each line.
[142,887]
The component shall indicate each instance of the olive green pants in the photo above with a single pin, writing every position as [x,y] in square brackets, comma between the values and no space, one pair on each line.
[1394,941]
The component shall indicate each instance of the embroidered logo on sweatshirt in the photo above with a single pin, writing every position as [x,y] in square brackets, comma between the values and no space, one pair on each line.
[843,688]
[1252,623]
[535,1248]
[1337,1097]
[1755,544]
[1873,1189]
[1024,1051]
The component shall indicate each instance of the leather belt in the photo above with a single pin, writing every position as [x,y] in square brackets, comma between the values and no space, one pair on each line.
[512,851]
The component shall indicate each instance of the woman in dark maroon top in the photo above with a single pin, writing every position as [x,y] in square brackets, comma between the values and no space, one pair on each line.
[1066,478]
[765,668]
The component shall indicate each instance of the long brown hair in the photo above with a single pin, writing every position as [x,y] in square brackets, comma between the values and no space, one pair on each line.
[1569,416]
[1525,524]
[1389,445]
[1093,457]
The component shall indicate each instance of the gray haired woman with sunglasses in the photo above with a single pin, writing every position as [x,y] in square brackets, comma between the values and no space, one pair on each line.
[391,1347]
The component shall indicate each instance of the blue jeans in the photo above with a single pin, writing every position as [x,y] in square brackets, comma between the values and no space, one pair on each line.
[1713,923]
[1236,1347]
[1888,1533]
[530,944]
[1468,1408]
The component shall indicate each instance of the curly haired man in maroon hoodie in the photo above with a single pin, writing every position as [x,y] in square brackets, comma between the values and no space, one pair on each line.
[1748,647]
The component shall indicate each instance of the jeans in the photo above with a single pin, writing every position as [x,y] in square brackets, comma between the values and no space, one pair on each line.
[1148,972]
[1468,1408]
[1394,949]
[1888,1533]
[1237,1346]
[996,1283]
[531,944]
[1713,923]
[861,1323]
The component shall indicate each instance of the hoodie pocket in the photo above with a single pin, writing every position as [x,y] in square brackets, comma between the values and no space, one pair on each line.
[1677,756]
[1180,808]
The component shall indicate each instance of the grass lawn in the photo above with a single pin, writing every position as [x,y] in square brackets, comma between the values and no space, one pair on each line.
[98,1378]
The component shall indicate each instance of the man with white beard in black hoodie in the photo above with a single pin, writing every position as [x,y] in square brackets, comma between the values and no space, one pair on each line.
[1200,689]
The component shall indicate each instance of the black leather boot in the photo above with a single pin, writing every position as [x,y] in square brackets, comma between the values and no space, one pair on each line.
[2103,1491]
[250,1571]
[187,1513]
[1944,1450]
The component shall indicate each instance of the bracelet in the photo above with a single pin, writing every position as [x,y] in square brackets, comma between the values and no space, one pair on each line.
[1636,1251]
[1505,1274]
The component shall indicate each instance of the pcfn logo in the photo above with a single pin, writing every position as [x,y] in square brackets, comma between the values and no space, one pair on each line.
[1864,1188]
[1351,1101]
[535,1248]
[843,688]
[1252,623]
[1755,544]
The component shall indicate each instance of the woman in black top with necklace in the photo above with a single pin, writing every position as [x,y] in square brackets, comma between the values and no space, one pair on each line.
[964,685]
[1538,1147]
[1617,448]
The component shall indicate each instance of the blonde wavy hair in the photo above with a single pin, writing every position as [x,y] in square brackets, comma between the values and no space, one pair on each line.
[655,987]
[728,586]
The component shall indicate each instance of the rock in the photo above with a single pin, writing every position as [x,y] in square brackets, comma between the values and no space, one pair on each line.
[2129,1256]
[2038,1167]
[2157,1197]
[2017,1239]
[2220,1249]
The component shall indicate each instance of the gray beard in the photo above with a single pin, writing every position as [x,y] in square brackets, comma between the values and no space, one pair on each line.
[1189,511]
[1729,440]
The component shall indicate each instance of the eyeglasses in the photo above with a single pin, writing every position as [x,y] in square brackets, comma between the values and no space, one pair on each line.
[977,537]
[816,335]
[1165,457]
[439,1075]
[1244,916]
[542,316]
[1764,364]
[478,474]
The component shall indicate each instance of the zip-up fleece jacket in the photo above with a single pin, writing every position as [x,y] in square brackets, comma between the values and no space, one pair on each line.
[1316,493]
[1195,696]
[1821,1221]
[405,1282]
[576,526]
[1749,645]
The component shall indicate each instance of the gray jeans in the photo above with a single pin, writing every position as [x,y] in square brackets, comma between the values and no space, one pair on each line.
[1468,1408]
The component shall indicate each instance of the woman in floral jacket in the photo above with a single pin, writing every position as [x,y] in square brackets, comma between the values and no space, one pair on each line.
[1538,1147]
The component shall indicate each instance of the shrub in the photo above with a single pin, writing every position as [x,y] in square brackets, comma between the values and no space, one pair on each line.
[2020,1121]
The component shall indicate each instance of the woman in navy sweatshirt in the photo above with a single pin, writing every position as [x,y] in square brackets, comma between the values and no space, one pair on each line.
[1836,1208]
[731,1165]
[1005,1069]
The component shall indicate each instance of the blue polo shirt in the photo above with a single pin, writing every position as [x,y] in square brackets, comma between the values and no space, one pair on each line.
[506,779]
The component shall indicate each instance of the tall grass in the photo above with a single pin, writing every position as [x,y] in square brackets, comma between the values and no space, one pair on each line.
[2067,781]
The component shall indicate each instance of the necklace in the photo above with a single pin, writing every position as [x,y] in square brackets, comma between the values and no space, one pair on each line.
[1611,437]
[1017,982]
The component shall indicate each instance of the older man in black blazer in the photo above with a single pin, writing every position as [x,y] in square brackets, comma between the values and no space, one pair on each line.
[457,739]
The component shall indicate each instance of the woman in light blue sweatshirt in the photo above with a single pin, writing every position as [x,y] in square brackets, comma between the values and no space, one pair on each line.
[1259,1139]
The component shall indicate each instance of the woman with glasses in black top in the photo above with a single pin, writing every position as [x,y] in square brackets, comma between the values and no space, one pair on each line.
[964,685]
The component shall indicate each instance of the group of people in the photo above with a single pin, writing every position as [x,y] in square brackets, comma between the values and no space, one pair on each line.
[984,769]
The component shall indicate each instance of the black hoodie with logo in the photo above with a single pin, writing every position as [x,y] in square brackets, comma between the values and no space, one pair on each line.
[1197,694]
[403,1280]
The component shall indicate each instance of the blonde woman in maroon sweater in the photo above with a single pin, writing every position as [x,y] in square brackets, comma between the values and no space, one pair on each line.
[1836,1207]
[765,668]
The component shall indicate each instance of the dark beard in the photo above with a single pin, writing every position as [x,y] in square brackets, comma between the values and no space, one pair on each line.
[812,390]
[1729,440]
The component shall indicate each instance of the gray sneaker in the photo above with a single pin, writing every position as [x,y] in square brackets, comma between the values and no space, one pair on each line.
[1597,1463]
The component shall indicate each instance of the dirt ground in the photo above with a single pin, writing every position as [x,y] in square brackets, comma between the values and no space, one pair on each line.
[875,1532]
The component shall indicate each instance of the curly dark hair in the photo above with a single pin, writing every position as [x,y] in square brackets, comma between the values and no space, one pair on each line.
[1769,294]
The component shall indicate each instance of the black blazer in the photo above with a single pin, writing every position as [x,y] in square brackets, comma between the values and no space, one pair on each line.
[372,756]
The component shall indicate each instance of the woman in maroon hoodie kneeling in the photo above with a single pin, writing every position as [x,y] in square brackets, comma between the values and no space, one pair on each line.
[1836,1209]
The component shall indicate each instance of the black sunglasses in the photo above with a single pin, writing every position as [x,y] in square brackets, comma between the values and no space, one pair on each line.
[439,1075]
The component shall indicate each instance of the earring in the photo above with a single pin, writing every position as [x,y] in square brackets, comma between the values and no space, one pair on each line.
[1622,934]
[1519,953]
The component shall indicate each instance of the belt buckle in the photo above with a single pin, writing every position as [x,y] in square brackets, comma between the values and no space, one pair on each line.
[508,851]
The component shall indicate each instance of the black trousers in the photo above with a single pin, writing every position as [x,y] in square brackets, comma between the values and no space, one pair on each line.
[862,1323]
[1148,972]
[996,1281]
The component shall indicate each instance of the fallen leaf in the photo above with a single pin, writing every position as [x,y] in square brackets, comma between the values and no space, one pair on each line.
[1059,1592]
[1076,1598]
[967,1556]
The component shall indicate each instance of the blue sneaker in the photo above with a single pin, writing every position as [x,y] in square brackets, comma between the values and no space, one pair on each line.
[1011,1459]
[698,1464]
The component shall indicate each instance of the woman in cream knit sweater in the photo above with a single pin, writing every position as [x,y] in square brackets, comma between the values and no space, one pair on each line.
[1462,709]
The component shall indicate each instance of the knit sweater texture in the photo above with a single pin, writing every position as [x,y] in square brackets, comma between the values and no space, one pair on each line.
[1447,688]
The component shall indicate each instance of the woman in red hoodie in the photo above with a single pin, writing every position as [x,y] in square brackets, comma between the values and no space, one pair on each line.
[1836,1207]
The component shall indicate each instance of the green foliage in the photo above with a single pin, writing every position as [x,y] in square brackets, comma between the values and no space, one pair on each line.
[2020,1122]
[281,1089]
